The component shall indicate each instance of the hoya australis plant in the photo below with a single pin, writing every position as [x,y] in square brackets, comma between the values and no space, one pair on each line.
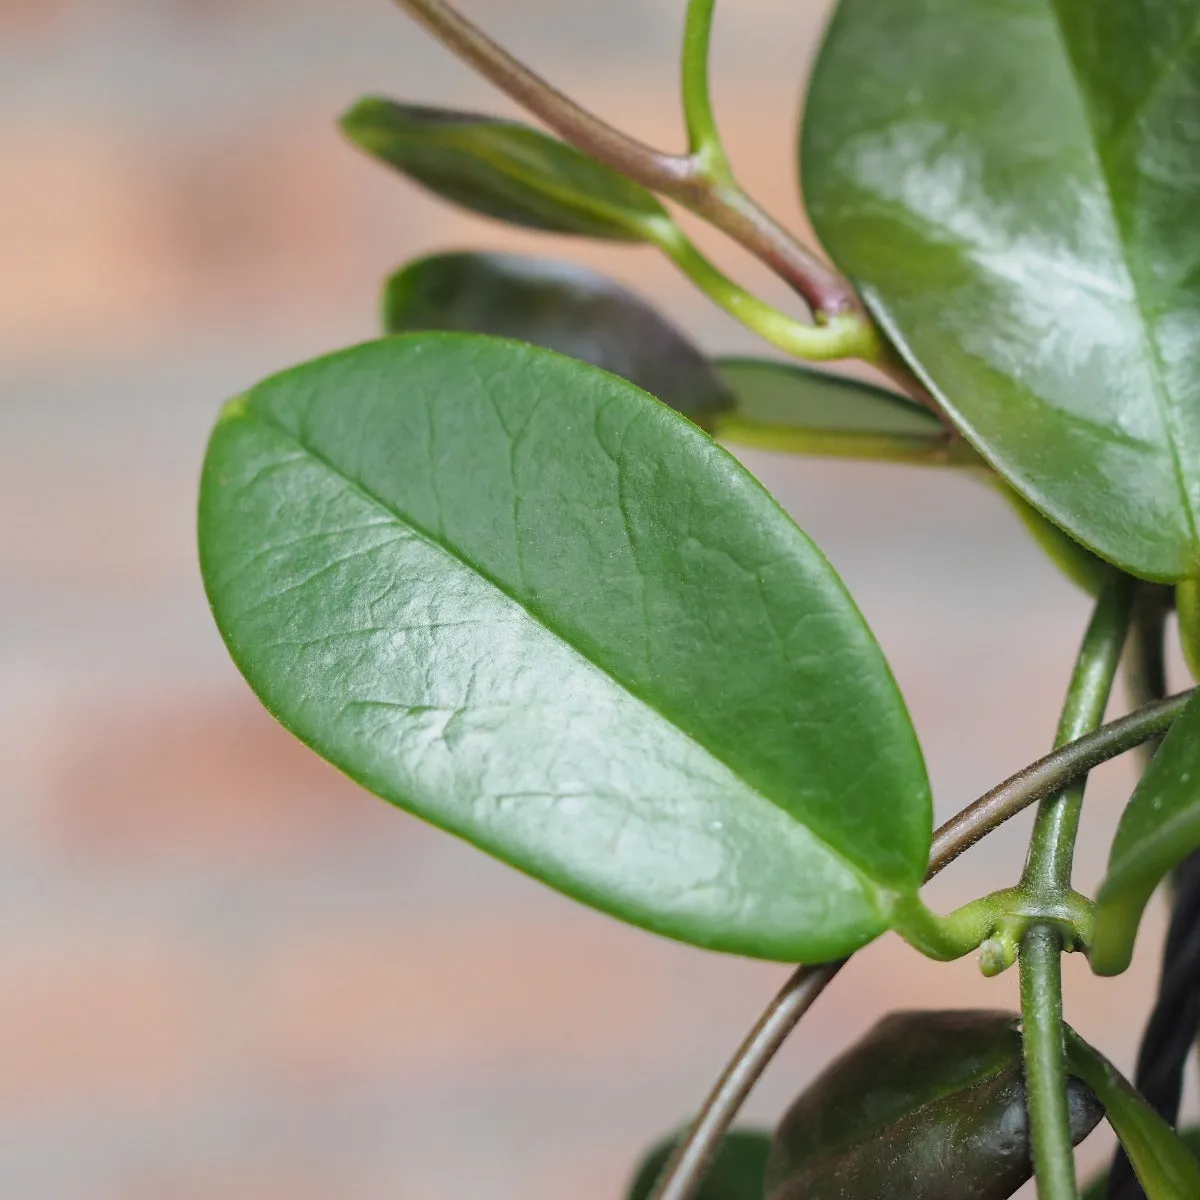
[498,567]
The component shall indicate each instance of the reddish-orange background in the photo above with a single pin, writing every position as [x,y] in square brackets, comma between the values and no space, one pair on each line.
[225,972]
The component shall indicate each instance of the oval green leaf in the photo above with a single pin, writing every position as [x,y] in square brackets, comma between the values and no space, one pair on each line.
[1160,1159]
[736,1172]
[563,307]
[928,1106]
[521,598]
[1013,187]
[1097,1189]
[1159,828]
[503,169]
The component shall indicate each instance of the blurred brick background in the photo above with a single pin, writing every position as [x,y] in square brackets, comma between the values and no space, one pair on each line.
[224,972]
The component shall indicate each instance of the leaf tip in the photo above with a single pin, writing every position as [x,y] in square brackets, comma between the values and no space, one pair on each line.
[234,409]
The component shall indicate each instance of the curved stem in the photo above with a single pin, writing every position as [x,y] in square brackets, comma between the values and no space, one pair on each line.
[1049,775]
[1045,1063]
[841,337]
[685,178]
[1047,877]
[1052,847]
[685,1170]
[689,1163]
[704,141]
[652,168]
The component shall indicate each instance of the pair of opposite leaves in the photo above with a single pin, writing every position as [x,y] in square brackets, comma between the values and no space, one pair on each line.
[932,1106]
[521,599]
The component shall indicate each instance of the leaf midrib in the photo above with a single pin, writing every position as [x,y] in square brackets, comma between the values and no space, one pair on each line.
[872,889]
[1162,399]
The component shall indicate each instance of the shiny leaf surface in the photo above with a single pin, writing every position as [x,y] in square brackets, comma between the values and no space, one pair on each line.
[562,307]
[1161,1161]
[1013,187]
[928,1106]
[1159,828]
[502,169]
[736,1172]
[523,599]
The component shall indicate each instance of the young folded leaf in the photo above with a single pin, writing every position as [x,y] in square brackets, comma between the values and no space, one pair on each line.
[1164,1165]
[503,169]
[1013,187]
[523,599]
[736,1172]
[563,307]
[928,1106]
[780,406]
[1159,828]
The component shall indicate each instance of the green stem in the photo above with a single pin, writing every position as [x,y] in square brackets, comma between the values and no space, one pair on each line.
[1045,1063]
[704,141]
[1047,878]
[1145,655]
[684,1173]
[1052,847]
[844,336]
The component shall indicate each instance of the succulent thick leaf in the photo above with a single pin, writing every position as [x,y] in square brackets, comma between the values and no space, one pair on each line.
[1097,1189]
[560,306]
[736,1172]
[1159,828]
[1014,188]
[502,169]
[521,598]
[1162,1162]
[784,407]
[928,1106]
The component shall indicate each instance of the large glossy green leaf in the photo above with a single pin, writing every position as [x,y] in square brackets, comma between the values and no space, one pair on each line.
[736,1172]
[525,600]
[1097,1188]
[1013,185]
[502,169]
[562,307]
[928,1106]
[1161,1161]
[1159,828]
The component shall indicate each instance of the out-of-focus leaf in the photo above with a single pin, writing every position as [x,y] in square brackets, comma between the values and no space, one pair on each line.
[562,307]
[780,406]
[736,1172]
[1159,828]
[928,1106]
[1097,1189]
[1162,1162]
[503,169]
